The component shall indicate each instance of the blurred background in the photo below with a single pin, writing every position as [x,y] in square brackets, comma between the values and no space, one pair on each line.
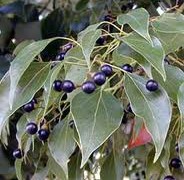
[28,20]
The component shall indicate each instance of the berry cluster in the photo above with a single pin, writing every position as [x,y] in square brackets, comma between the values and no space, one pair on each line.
[30,106]
[63,51]
[89,86]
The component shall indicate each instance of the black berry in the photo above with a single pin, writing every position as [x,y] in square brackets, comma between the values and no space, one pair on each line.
[68,86]
[175,163]
[169,178]
[100,41]
[107,70]
[43,134]
[29,106]
[57,85]
[127,67]
[99,78]
[151,85]
[88,87]
[60,56]
[31,128]
[17,154]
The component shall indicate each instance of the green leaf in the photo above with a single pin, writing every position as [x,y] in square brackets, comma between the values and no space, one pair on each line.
[153,107]
[124,54]
[90,28]
[22,45]
[75,173]
[170,41]
[21,124]
[153,54]
[18,168]
[169,23]
[31,81]
[98,111]
[174,79]
[88,42]
[113,167]
[77,74]
[62,144]
[41,173]
[56,169]
[82,4]
[138,20]
[49,94]
[22,62]
[181,108]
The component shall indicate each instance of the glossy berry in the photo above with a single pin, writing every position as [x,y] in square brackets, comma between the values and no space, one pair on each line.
[151,85]
[68,86]
[88,87]
[57,85]
[31,128]
[128,68]
[29,106]
[107,70]
[169,178]
[17,154]
[175,163]
[60,56]
[67,47]
[99,78]
[100,41]
[43,134]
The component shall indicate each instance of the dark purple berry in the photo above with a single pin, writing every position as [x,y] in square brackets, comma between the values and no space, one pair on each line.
[88,87]
[68,86]
[60,56]
[107,70]
[100,41]
[34,100]
[169,178]
[108,18]
[71,124]
[43,134]
[17,153]
[175,163]
[128,68]
[67,47]
[31,128]
[29,106]
[151,85]
[99,78]
[57,85]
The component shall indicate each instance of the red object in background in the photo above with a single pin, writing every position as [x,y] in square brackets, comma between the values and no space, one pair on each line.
[142,138]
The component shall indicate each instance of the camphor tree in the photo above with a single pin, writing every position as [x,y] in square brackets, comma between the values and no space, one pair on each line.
[110,105]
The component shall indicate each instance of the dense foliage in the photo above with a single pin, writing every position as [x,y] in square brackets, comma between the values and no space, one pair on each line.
[108,103]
